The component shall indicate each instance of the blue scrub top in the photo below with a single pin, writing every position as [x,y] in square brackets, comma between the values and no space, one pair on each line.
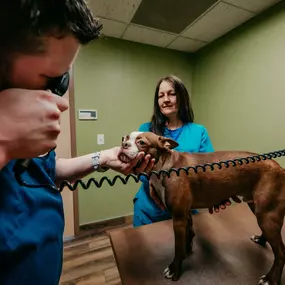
[191,137]
[31,226]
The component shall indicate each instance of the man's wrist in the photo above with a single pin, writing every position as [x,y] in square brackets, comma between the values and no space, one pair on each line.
[103,161]
[99,161]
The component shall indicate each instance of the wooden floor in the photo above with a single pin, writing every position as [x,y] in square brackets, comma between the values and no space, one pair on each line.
[89,260]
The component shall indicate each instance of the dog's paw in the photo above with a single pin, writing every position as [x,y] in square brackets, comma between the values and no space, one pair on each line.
[264,280]
[169,274]
[258,240]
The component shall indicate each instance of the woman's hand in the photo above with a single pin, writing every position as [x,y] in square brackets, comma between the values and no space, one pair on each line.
[110,158]
[224,204]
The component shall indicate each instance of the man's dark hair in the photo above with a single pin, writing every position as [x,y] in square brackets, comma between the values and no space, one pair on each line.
[185,111]
[24,23]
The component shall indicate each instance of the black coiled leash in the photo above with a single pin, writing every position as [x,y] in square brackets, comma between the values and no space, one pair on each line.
[158,174]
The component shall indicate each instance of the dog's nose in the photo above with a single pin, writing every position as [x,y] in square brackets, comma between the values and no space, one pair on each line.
[126,144]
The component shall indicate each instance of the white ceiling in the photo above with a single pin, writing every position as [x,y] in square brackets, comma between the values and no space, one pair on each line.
[219,19]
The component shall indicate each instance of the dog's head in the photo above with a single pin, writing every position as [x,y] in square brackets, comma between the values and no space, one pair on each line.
[146,142]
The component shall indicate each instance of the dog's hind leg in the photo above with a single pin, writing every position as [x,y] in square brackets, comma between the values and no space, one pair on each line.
[260,240]
[271,223]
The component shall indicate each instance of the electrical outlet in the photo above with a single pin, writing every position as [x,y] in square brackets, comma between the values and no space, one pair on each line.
[100,139]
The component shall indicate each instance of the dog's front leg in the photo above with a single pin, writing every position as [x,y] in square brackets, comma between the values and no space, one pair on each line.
[173,271]
[189,235]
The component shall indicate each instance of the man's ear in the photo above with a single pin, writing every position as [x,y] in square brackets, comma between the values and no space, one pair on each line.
[167,143]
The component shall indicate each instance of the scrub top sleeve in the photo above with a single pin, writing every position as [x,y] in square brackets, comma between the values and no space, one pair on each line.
[206,144]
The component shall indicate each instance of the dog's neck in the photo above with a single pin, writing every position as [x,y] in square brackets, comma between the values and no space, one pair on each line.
[166,159]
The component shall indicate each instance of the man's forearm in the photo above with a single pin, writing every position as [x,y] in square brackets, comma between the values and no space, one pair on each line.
[72,169]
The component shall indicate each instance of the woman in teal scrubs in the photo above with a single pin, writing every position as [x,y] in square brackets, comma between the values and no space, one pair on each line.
[173,117]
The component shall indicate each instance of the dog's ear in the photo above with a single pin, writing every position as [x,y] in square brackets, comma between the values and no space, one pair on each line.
[166,143]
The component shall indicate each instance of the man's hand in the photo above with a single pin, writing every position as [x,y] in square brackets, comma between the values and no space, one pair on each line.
[29,122]
[224,204]
[110,158]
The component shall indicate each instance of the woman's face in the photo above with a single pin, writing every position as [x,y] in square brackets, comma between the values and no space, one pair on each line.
[167,100]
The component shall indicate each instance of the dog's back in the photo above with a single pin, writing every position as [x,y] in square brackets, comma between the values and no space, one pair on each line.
[234,173]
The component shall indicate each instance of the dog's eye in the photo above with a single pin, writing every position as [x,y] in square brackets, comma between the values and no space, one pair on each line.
[141,142]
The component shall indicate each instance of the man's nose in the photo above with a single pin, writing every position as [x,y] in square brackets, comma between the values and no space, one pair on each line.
[126,144]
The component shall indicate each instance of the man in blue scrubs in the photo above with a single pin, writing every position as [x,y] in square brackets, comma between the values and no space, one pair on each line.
[39,42]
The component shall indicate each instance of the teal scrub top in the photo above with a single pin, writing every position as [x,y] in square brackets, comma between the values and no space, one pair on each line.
[31,226]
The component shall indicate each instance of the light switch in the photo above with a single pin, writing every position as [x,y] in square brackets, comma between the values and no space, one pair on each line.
[100,139]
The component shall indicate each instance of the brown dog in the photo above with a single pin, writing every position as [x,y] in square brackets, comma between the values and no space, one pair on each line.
[261,184]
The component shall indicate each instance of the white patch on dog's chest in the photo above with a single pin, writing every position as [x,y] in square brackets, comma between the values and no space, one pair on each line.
[159,188]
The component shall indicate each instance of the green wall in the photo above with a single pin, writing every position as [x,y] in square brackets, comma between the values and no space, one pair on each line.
[118,79]
[239,86]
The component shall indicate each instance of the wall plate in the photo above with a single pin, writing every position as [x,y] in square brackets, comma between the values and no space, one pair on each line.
[87,114]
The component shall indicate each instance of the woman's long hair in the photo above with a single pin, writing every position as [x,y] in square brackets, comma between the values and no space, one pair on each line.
[185,111]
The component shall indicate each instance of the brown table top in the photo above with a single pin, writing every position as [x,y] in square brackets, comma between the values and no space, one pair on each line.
[222,253]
